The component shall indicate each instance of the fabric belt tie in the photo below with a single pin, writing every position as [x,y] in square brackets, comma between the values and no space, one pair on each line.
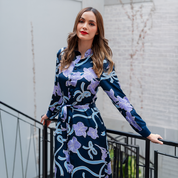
[64,107]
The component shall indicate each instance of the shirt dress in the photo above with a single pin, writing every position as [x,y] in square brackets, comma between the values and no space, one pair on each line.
[81,149]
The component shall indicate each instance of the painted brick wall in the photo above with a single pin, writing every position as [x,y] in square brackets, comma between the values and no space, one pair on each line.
[144,40]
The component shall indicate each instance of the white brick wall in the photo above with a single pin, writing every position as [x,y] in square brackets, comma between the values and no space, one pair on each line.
[150,78]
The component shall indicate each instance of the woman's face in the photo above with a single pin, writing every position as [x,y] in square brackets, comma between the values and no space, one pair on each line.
[87,27]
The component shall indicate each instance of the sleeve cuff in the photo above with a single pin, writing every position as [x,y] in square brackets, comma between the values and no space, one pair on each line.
[145,132]
[49,114]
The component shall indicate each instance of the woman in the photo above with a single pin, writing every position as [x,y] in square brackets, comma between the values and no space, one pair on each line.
[80,138]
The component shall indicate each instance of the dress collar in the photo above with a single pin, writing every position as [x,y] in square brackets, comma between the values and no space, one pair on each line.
[87,53]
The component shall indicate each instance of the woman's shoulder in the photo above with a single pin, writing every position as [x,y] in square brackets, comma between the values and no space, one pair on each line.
[60,52]
[106,64]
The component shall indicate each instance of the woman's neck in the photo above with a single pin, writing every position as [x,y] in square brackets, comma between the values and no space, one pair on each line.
[83,46]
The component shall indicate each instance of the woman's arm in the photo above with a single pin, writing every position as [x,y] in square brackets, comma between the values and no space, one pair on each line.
[56,99]
[111,85]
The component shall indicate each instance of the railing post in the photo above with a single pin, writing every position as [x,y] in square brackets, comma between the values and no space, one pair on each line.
[45,151]
[137,162]
[126,162]
[147,158]
[121,161]
[155,164]
[39,158]
[115,160]
[51,153]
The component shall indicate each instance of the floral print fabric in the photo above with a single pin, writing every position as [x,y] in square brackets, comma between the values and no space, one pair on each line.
[81,149]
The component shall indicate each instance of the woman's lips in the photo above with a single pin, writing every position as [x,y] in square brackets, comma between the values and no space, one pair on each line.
[83,33]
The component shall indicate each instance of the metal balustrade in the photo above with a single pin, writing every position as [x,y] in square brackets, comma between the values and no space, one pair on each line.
[20,148]
[32,154]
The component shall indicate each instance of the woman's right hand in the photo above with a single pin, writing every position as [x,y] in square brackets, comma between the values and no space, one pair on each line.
[43,120]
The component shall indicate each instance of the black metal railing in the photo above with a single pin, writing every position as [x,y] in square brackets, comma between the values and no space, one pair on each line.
[24,145]
[21,143]
[141,164]
[126,158]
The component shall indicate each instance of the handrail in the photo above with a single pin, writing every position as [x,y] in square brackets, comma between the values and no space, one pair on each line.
[20,112]
[166,142]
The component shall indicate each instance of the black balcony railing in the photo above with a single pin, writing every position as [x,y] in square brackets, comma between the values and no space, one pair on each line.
[27,149]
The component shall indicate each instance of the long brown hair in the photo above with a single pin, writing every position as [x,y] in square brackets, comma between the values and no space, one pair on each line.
[100,47]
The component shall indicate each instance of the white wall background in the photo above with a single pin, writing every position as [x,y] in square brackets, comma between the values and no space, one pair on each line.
[52,20]
[149,78]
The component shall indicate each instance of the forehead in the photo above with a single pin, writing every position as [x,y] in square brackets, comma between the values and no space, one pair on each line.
[89,15]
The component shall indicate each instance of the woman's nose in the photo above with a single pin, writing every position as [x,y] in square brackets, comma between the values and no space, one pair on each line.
[85,25]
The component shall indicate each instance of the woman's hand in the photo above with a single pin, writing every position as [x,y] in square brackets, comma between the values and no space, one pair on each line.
[154,138]
[43,120]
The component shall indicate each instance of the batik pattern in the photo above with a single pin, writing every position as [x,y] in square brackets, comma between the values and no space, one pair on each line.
[81,149]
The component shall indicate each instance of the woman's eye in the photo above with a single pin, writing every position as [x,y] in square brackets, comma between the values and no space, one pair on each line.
[81,21]
[92,24]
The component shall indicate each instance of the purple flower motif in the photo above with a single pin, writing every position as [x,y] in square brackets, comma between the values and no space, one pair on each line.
[66,152]
[88,52]
[92,86]
[103,151]
[124,103]
[126,99]
[70,168]
[66,72]
[109,168]
[104,154]
[106,177]
[57,90]
[74,145]
[60,100]
[132,121]
[80,129]
[52,108]
[92,133]
[89,74]
[110,93]
[75,77]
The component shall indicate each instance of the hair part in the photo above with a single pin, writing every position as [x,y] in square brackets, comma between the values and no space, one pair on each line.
[100,47]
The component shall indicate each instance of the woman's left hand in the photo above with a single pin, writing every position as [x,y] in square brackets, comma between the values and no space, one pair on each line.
[154,138]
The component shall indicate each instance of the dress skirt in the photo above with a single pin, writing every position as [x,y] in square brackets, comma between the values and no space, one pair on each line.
[81,149]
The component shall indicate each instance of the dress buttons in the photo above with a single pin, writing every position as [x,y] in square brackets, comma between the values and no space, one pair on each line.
[75,68]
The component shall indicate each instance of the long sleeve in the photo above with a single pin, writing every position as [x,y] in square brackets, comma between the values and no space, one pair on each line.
[110,84]
[56,99]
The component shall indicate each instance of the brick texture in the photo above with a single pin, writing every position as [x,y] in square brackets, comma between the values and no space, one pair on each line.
[144,41]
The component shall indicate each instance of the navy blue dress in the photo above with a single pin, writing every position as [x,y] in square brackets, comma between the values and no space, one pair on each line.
[81,149]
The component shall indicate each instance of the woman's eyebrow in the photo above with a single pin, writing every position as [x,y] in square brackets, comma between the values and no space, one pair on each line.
[89,20]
